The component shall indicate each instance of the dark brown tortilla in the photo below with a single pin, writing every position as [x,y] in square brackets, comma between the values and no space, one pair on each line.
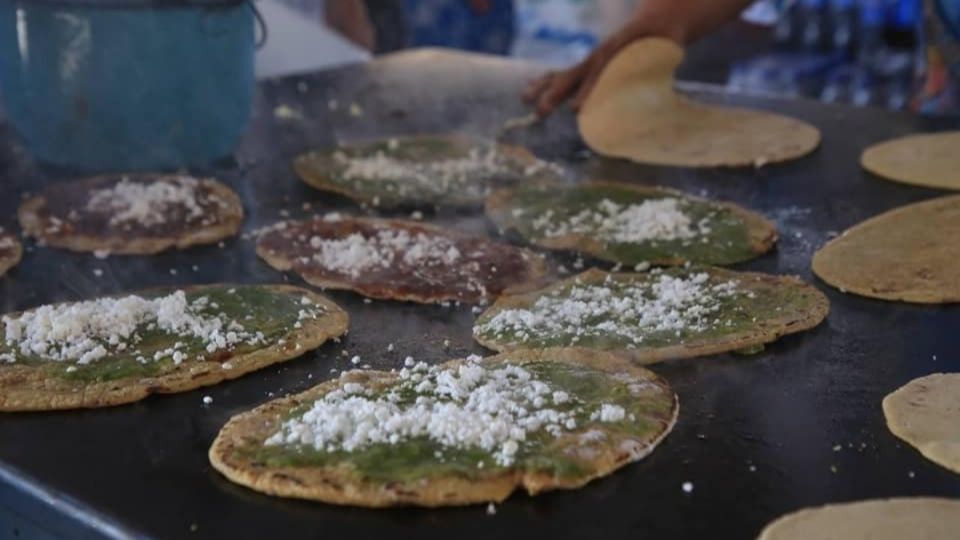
[58,217]
[502,266]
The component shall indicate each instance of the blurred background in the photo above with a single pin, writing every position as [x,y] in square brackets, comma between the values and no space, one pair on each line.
[857,52]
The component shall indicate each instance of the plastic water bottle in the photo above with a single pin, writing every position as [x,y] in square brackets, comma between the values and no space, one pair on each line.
[843,25]
[812,16]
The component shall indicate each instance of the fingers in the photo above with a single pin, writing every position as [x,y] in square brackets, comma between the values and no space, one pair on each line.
[586,86]
[560,86]
[535,87]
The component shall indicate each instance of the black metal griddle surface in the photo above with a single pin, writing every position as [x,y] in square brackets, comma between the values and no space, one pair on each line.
[799,424]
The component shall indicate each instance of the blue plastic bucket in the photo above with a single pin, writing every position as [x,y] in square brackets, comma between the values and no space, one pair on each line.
[127,84]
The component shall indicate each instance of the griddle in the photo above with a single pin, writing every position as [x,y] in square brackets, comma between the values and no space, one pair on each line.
[798,424]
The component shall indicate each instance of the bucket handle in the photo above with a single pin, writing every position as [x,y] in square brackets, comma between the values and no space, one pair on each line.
[261,25]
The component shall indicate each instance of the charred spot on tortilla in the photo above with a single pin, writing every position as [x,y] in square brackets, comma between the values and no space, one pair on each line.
[398,259]
[10,251]
[134,214]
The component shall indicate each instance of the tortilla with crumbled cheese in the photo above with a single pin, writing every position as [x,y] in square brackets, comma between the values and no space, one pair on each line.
[654,316]
[908,254]
[634,112]
[116,350]
[10,251]
[926,159]
[926,518]
[631,224]
[420,170]
[465,432]
[132,214]
[398,259]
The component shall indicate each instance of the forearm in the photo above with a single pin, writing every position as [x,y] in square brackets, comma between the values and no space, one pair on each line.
[682,21]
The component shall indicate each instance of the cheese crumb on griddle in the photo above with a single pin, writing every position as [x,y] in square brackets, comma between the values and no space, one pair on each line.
[629,311]
[492,408]
[652,220]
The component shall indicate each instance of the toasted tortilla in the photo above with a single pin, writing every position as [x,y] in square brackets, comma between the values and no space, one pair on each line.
[736,234]
[237,451]
[322,170]
[483,270]
[59,216]
[909,254]
[926,413]
[634,112]
[780,305]
[926,518]
[930,160]
[48,385]
[10,251]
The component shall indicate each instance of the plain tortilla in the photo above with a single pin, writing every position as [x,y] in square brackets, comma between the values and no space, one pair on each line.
[909,254]
[808,311]
[27,388]
[926,413]
[633,112]
[917,518]
[931,160]
[338,485]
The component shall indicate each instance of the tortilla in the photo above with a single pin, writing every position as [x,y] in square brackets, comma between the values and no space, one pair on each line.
[921,518]
[398,259]
[926,413]
[132,214]
[550,216]
[35,382]
[909,254]
[654,316]
[409,472]
[420,170]
[633,112]
[930,160]
[10,251]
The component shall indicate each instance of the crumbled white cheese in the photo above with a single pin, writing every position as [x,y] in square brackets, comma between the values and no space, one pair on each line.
[493,408]
[152,203]
[687,487]
[652,220]
[358,253]
[207,400]
[627,311]
[84,332]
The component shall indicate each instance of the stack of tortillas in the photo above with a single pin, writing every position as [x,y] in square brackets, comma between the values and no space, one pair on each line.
[931,160]
[633,112]
[910,254]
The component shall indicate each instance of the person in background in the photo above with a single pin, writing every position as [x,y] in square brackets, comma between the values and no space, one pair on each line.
[387,25]
[684,21]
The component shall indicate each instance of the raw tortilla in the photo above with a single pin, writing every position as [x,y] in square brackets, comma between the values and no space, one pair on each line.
[47,385]
[633,112]
[464,186]
[919,518]
[779,305]
[235,450]
[931,160]
[736,234]
[10,251]
[909,254]
[926,413]
[481,270]
[60,216]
